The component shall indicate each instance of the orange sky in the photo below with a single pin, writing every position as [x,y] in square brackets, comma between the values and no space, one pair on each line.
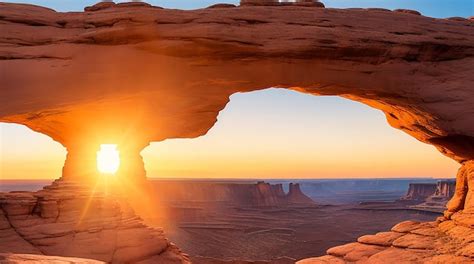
[266,134]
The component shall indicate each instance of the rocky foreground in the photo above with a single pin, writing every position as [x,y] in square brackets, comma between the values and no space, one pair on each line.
[443,241]
[65,219]
[10,258]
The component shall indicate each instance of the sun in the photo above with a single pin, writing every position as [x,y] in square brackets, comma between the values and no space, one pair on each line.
[108,159]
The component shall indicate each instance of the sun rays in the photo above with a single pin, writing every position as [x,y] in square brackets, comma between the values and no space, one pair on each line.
[108,159]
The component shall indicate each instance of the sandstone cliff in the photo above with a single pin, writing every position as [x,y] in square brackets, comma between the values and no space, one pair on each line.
[438,200]
[67,219]
[238,194]
[420,191]
[445,188]
[296,196]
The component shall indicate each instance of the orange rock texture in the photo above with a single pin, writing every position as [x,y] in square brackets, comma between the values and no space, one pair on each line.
[132,73]
[69,219]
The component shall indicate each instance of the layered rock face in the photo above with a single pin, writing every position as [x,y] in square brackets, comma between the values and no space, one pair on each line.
[296,196]
[445,188]
[238,194]
[420,191]
[9,258]
[438,200]
[69,219]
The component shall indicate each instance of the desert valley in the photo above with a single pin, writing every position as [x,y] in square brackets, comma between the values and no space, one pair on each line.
[260,221]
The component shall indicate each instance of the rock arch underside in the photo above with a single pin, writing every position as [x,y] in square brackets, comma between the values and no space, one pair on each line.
[132,73]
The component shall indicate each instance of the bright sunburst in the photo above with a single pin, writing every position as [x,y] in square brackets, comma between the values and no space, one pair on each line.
[108,160]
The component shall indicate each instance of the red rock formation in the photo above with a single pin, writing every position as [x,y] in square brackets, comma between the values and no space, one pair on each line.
[31,258]
[445,188]
[407,242]
[420,191]
[296,196]
[308,3]
[67,219]
[239,194]
[278,190]
[132,73]
[437,201]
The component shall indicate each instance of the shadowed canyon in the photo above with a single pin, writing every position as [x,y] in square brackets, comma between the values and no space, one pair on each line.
[131,73]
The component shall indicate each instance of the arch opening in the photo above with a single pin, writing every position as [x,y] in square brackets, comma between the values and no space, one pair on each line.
[274,127]
[271,134]
[28,160]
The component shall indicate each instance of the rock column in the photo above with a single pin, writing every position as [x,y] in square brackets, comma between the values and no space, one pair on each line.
[81,164]
[463,198]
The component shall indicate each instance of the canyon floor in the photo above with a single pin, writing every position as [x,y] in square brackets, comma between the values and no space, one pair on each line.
[269,233]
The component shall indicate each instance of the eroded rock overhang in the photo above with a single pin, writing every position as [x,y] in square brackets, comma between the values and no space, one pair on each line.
[134,74]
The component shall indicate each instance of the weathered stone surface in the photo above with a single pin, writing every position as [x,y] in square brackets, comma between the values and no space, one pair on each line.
[448,259]
[463,196]
[408,11]
[221,6]
[66,219]
[380,239]
[414,241]
[322,260]
[399,256]
[354,251]
[99,6]
[9,258]
[467,250]
[462,19]
[407,226]
[428,231]
[419,191]
[430,242]
[463,233]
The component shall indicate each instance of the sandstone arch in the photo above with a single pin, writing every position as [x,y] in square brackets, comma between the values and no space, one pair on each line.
[132,74]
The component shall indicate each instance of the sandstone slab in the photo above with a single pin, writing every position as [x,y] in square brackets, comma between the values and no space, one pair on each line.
[354,251]
[381,239]
[9,258]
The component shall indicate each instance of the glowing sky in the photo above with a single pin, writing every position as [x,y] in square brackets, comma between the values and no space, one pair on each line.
[266,134]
